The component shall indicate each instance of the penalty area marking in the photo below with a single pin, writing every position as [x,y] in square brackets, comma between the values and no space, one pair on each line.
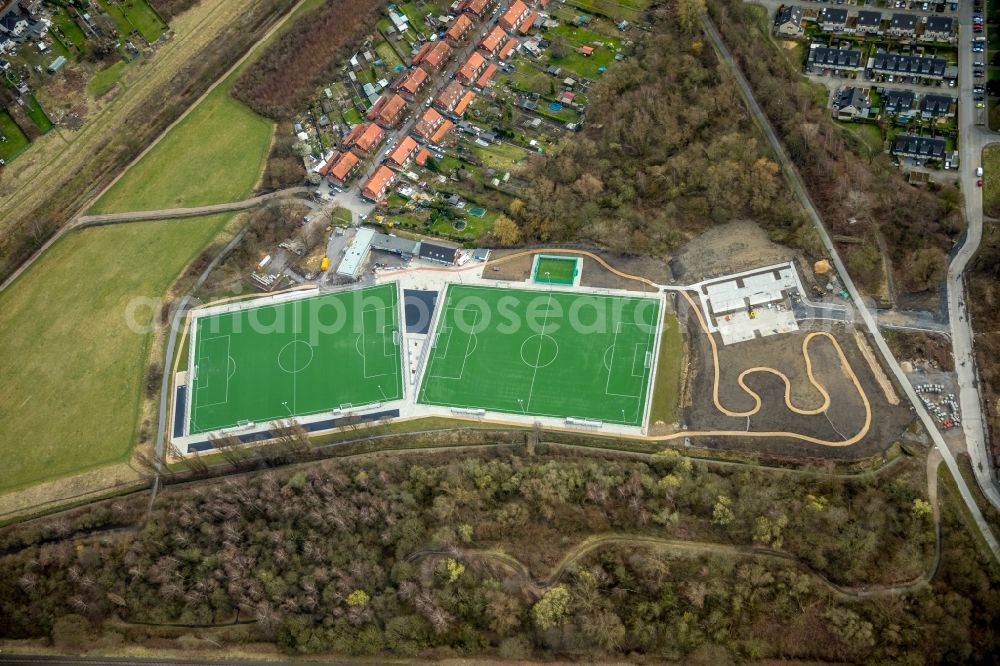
[469,346]
[199,376]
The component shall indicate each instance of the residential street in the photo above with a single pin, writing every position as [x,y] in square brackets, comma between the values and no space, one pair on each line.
[972,141]
[439,81]
[798,187]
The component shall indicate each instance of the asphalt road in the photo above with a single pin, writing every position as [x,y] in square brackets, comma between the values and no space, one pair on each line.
[798,187]
[973,140]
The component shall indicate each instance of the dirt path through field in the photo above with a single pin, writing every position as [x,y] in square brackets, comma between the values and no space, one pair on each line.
[28,184]
[537,586]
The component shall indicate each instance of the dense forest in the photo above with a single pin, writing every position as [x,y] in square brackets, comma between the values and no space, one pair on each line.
[307,54]
[668,149]
[397,556]
[983,282]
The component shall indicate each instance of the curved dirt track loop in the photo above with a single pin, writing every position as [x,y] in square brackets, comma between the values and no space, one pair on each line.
[845,364]
[788,384]
[538,585]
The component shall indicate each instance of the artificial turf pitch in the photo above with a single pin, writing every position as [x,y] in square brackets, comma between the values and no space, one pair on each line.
[296,358]
[587,356]
[555,270]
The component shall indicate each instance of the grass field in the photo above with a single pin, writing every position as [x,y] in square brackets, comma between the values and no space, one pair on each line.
[867,138]
[16,143]
[991,179]
[500,156]
[629,9]
[667,383]
[296,358]
[542,353]
[135,14]
[104,80]
[68,26]
[555,270]
[213,156]
[38,115]
[71,370]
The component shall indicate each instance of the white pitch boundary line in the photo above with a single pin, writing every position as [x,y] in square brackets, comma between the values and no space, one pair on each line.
[228,349]
[538,357]
[516,412]
[468,343]
[445,328]
[396,354]
[364,346]
[295,358]
[632,374]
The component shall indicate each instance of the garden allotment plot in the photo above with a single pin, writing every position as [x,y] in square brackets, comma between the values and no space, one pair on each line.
[584,356]
[295,358]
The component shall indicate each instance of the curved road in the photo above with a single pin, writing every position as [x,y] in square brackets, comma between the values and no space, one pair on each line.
[800,191]
[974,139]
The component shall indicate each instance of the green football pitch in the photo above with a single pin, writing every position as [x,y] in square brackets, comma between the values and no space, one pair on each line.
[555,270]
[542,353]
[296,358]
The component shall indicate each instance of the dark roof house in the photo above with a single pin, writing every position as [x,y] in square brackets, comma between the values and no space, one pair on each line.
[938,29]
[897,101]
[435,252]
[903,25]
[823,58]
[925,67]
[919,148]
[852,103]
[868,22]
[936,106]
[832,19]
[789,22]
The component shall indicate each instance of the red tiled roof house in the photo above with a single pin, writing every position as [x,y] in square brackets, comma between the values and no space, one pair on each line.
[517,12]
[341,168]
[432,55]
[458,29]
[413,82]
[427,124]
[403,153]
[471,69]
[388,110]
[364,138]
[493,41]
[378,184]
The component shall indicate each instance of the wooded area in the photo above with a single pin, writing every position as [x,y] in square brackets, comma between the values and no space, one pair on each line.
[306,55]
[919,224]
[385,556]
[984,307]
[668,150]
